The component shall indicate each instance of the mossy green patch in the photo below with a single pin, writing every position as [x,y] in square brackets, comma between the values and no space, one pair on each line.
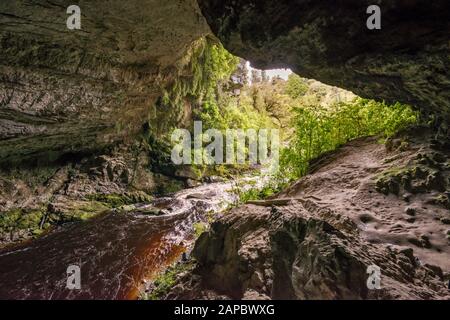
[199,228]
[81,211]
[118,200]
[391,180]
[416,178]
[20,219]
[112,200]
[166,280]
[24,223]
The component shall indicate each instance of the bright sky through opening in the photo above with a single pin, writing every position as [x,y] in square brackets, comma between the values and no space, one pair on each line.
[282,73]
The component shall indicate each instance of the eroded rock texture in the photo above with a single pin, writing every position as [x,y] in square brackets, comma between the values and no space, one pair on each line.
[407,60]
[316,239]
[66,92]
[78,91]
[77,107]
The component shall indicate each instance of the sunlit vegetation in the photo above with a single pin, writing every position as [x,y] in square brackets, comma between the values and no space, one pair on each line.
[211,94]
[312,118]
[262,192]
[166,280]
[318,130]
[221,104]
[296,87]
[314,121]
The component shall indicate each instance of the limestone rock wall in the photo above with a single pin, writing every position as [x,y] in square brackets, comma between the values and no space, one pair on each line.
[71,91]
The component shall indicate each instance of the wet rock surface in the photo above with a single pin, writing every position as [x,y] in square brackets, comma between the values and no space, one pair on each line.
[115,250]
[35,199]
[67,95]
[316,239]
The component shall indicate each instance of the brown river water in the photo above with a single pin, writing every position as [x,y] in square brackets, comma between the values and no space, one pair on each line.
[115,251]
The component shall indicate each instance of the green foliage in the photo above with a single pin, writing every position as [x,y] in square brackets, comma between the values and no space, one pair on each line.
[218,64]
[209,89]
[80,211]
[219,108]
[203,226]
[20,219]
[315,129]
[199,228]
[166,280]
[205,66]
[34,222]
[257,193]
[115,200]
[296,86]
[251,190]
[209,65]
[318,129]
[216,105]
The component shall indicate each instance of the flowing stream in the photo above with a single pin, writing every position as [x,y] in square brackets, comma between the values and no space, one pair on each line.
[115,250]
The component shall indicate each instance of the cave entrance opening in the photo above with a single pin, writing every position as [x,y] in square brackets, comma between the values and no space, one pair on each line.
[313,118]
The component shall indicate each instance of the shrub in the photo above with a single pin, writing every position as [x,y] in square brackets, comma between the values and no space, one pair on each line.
[318,129]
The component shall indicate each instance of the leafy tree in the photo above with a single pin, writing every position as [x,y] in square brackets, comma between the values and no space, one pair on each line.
[308,129]
[318,130]
[296,86]
[217,105]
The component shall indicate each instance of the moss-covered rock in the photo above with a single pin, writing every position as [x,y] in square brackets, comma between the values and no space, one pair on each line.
[19,224]
[442,200]
[119,200]
[427,172]
[166,185]
[392,180]
[165,281]
[80,211]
